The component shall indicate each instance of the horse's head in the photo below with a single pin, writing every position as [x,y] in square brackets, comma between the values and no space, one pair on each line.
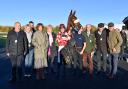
[73,21]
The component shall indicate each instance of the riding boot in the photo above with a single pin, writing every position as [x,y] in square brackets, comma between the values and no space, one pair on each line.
[37,74]
[42,73]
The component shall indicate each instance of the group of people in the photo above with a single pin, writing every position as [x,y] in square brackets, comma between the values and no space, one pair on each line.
[42,49]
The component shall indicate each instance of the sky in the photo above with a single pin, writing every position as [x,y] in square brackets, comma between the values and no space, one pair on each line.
[56,11]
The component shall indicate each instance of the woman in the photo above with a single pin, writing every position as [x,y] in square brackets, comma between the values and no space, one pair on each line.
[89,50]
[62,39]
[40,42]
[52,49]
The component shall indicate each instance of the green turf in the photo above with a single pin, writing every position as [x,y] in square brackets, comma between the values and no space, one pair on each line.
[2,42]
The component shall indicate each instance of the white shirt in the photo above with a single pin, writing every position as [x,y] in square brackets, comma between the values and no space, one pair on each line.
[88,33]
[29,36]
[50,38]
[99,32]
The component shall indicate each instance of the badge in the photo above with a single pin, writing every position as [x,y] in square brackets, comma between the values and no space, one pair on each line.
[29,45]
[15,41]
[101,39]
[90,41]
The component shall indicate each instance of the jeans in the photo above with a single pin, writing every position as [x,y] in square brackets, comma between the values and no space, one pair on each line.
[101,58]
[113,63]
[29,62]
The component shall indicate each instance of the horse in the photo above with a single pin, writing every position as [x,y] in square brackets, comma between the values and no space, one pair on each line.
[69,50]
[71,18]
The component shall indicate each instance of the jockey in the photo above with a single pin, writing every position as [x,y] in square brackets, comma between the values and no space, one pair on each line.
[62,39]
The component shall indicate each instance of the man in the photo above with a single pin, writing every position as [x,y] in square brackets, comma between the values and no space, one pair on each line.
[89,50]
[29,55]
[124,44]
[101,48]
[31,24]
[114,42]
[16,48]
[126,31]
[80,44]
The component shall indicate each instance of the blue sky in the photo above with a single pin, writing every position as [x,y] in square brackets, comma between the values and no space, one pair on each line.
[56,11]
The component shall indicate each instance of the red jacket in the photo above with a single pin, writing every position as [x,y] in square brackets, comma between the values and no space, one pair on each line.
[60,38]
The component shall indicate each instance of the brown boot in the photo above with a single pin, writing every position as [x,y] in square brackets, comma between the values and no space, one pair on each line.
[42,74]
[37,74]
[91,74]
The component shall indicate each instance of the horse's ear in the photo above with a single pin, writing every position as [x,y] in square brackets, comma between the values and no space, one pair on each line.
[70,13]
[74,12]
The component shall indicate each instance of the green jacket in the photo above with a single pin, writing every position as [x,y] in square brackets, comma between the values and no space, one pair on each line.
[114,41]
[90,42]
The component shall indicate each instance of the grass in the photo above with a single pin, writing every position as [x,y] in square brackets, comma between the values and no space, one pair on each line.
[2,42]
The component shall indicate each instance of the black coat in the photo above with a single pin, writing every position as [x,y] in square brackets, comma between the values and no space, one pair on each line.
[53,47]
[124,37]
[16,45]
[101,41]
